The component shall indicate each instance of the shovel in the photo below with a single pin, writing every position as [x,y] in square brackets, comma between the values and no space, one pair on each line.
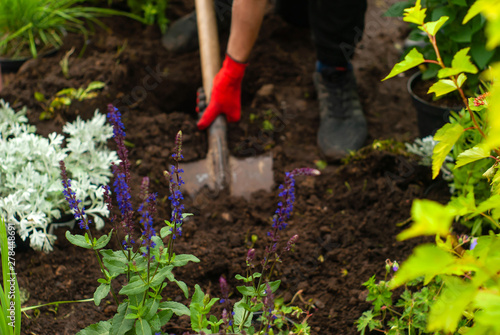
[219,171]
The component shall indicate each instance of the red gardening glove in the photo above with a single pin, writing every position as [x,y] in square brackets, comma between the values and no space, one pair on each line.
[226,93]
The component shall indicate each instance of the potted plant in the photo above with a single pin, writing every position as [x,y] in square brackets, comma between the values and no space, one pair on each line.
[30,28]
[432,111]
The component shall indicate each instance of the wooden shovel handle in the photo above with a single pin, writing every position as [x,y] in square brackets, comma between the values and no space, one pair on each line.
[209,43]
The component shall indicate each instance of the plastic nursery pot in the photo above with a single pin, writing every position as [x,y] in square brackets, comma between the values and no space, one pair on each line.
[430,117]
[66,220]
[12,65]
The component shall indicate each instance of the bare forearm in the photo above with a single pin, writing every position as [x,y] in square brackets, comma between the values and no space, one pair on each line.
[246,20]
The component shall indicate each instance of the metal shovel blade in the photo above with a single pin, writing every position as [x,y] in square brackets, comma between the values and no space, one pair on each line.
[221,172]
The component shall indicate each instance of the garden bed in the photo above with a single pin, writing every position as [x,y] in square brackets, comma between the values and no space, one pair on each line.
[346,218]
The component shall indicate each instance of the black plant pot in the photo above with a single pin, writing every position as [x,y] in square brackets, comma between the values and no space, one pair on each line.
[429,117]
[65,221]
[12,65]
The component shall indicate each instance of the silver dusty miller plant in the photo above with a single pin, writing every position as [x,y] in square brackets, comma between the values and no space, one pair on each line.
[424,147]
[30,184]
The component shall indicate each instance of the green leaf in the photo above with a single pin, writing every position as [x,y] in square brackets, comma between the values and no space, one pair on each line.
[142,327]
[448,309]
[429,218]
[488,301]
[239,313]
[447,136]
[120,325]
[95,85]
[247,291]
[101,328]
[165,231]
[479,53]
[476,8]
[181,260]
[461,79]
[100,293]
[368,319]
[427,260]
[165,316]
[412,59]
[480,151]
[442,87]
[198,294]
[165,272]
[176,307]
[492,203]
[182,285]
[115,261]
[79,240]
[40,97]
[103,241]
[461,63]
[131,316]
[135,286]
[415,14]
[151,308]
[433,27]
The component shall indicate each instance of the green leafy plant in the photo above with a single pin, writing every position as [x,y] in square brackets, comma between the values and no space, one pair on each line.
[467,266]
[147,261]
[29,27]
[453,36]
[30,191]
[65,97]
[152,12]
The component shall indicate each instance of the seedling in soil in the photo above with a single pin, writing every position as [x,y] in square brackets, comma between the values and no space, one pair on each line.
[65,97]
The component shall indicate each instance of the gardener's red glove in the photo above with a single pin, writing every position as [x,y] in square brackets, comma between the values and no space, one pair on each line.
[226,93]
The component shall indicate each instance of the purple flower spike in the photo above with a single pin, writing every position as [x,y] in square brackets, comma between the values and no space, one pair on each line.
[147,210]
[175,187]
[287,194]
[121,172]
[250,255]
[74,204]
[224,288]
[291,242]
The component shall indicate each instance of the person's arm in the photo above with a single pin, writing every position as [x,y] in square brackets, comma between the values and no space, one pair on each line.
[246,20]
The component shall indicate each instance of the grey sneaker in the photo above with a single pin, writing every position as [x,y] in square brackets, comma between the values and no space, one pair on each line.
[182,35]
[342,124]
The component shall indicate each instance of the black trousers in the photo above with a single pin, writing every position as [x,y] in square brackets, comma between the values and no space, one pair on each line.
[336,25]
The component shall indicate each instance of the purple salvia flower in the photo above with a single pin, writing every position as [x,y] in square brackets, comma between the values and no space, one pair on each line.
[287,194]
[291,242]
[250,256]
[121,172]
[74,204]
[268,300]
[175,187]
[473,243]
[147,210]
[109,202]
[224,288]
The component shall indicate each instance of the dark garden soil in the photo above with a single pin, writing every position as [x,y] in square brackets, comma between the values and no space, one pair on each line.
[346,218]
